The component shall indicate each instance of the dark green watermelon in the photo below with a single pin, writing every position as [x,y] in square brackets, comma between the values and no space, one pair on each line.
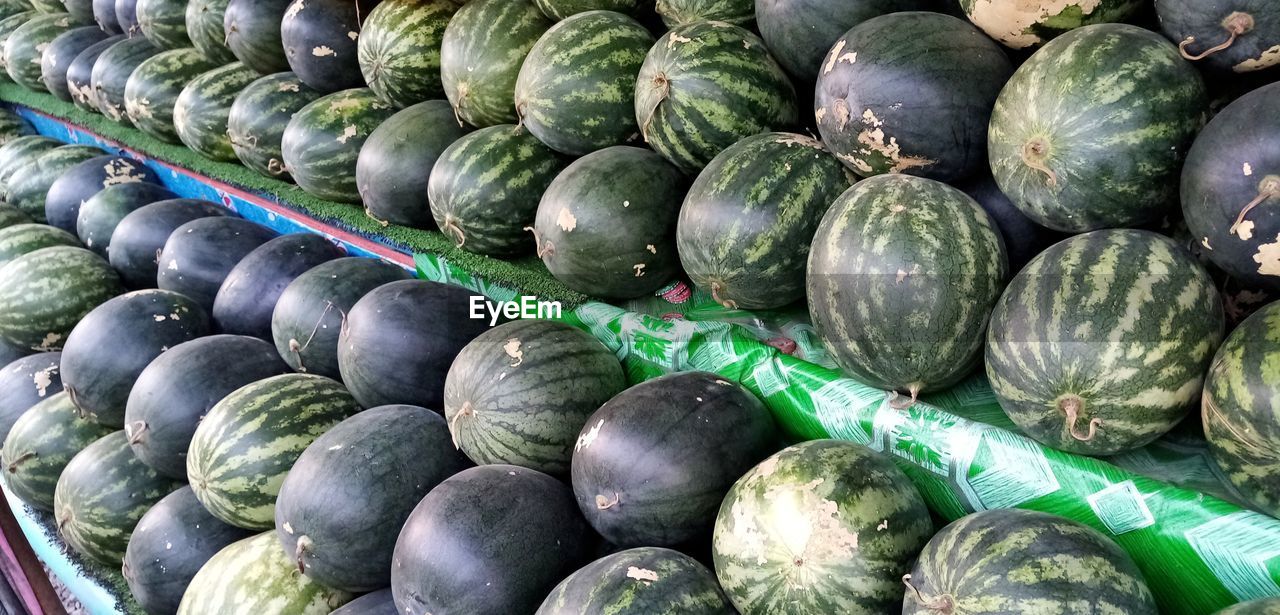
[480,57]
[104,14]
[652,465]
[747,222]
[517,551]
[606,225]
[57,57]
[258,117]
[200,254]
[178,388]
[248,296]
[107,351]
[561,9]
[169,545]
[10,352]
[80,74]
[27,381]
[40,444]
[200,113]
[45,293]
[79,183]
[24,48]
[677,13]
[81,12]
[1023,238]
[103,212]
[380,602]
[10,216]
[320,39]
[399,49]
[164,23]
[206,27]
[127,17]
[398,341]
[7,26]
[591,59]
[1000,561]
[154,87]
[18,152]
[1019,24]
[141,235]
[485,187]
[369,471]
[1264,606]
[310,312]
[111,73]
[643,581]
[322,142]
[389,169]
[1075,153]
[29,184]
[1238,36]
[253,34]
[254,576]
[1124,357]
[26,238]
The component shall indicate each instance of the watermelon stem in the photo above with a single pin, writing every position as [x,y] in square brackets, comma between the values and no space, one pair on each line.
[1034,153]
[549,248]
[1269,188]
[943,604]
[135,431]
[297,348]
[27,456]
[715,294]
[603,503]
[467,410]
[275,167]
[1071,405]
[369,212]
[463,91]
[1235,24]
[75,401]
[895,399]
[300,552]
[451,227]
[663,85]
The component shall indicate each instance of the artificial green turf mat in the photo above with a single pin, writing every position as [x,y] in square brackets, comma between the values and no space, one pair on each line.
[527,274]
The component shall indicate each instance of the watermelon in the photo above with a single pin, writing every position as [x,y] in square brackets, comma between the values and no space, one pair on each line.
[1240,394]
[309,314]
[1019,24]
[200,254]
[164,23]
[29,184]
[253,34]
[141,235]
[901,278]
[399,50]
[1143,321]
[825,526]
[652,465]
[642,581]
[10,216]
[107,351]
[80,74]
[1023,238]
[248,296]
[169,545]
[368,472]
[18,152]
[104,14]
[258,118]
[320,39]
[45,293]
[480,56]
[9,352]
[485,187]
[101,495]
[81,11]
[1241,36]
[178,388]
[591,59]
[27,381]
[61,51]
[13,126]
[380,602]
[254,576]
[394,164]
[127,17]
[561,9]
[7,26]
[24,48]
[1264,606]
[398,341]
[40,444]
[49,6]
[520,393]
[26,238]
[1000,561]
[1230,182]
[456,541]
[103,212]
[153,90]
[606,225]
[1120,171]
[245,445]
[205,26]
[321,144]
[9,8]
[746,224]
[111,72]
[80,182]
[677,13]
[200,113]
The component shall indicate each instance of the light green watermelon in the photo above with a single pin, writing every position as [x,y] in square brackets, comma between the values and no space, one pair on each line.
[254,576]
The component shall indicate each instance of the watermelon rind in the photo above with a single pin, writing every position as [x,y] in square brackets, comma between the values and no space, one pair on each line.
[258,117]
[481,53]
[399,50]
[1025,24]
[254,576]
[164,23]
[322,142]
[40,444]
[641,581]
[44,294]
[205,21]
[24,48]
[201,110]
[25,238]
[154,87]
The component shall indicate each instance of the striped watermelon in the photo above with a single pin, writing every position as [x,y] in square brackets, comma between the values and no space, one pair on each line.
[1238,37]
[254,576]
[643,581]
[81,11]
[205,26]
[320,39]
[10,216]
[153,90]
[49,6]
[7,26]
[25,238]
[480,56]
[825,526]
[28,186]
[164,23]
[27,380]
[80,74]
[484,189]
[101,495]
[61,51]
[901,278]
[1002,561]
[253,34]
[395,162]
[590,59]
[1265,606]
[45,293]
[13,126]
[258,118]
[246,444]
[24,48]
[111,74]
[747,222]
[1020,24]
[677,13]
[200,113]
[562,9]
[17,153]
[399,50]
[322,142]
[521,392]
[9,8]
[103,212]
[1122,359]
[39,446]
[1074,152]
[1240,394]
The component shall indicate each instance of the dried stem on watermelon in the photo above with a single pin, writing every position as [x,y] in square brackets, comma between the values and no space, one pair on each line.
[299,553]
[941,604]
[297,348]
[1034,153]
[1269,188]
[466,410]
[715,294]
[663,85]
[1235,24]
[27,456]
[1071,405]
[135,431]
